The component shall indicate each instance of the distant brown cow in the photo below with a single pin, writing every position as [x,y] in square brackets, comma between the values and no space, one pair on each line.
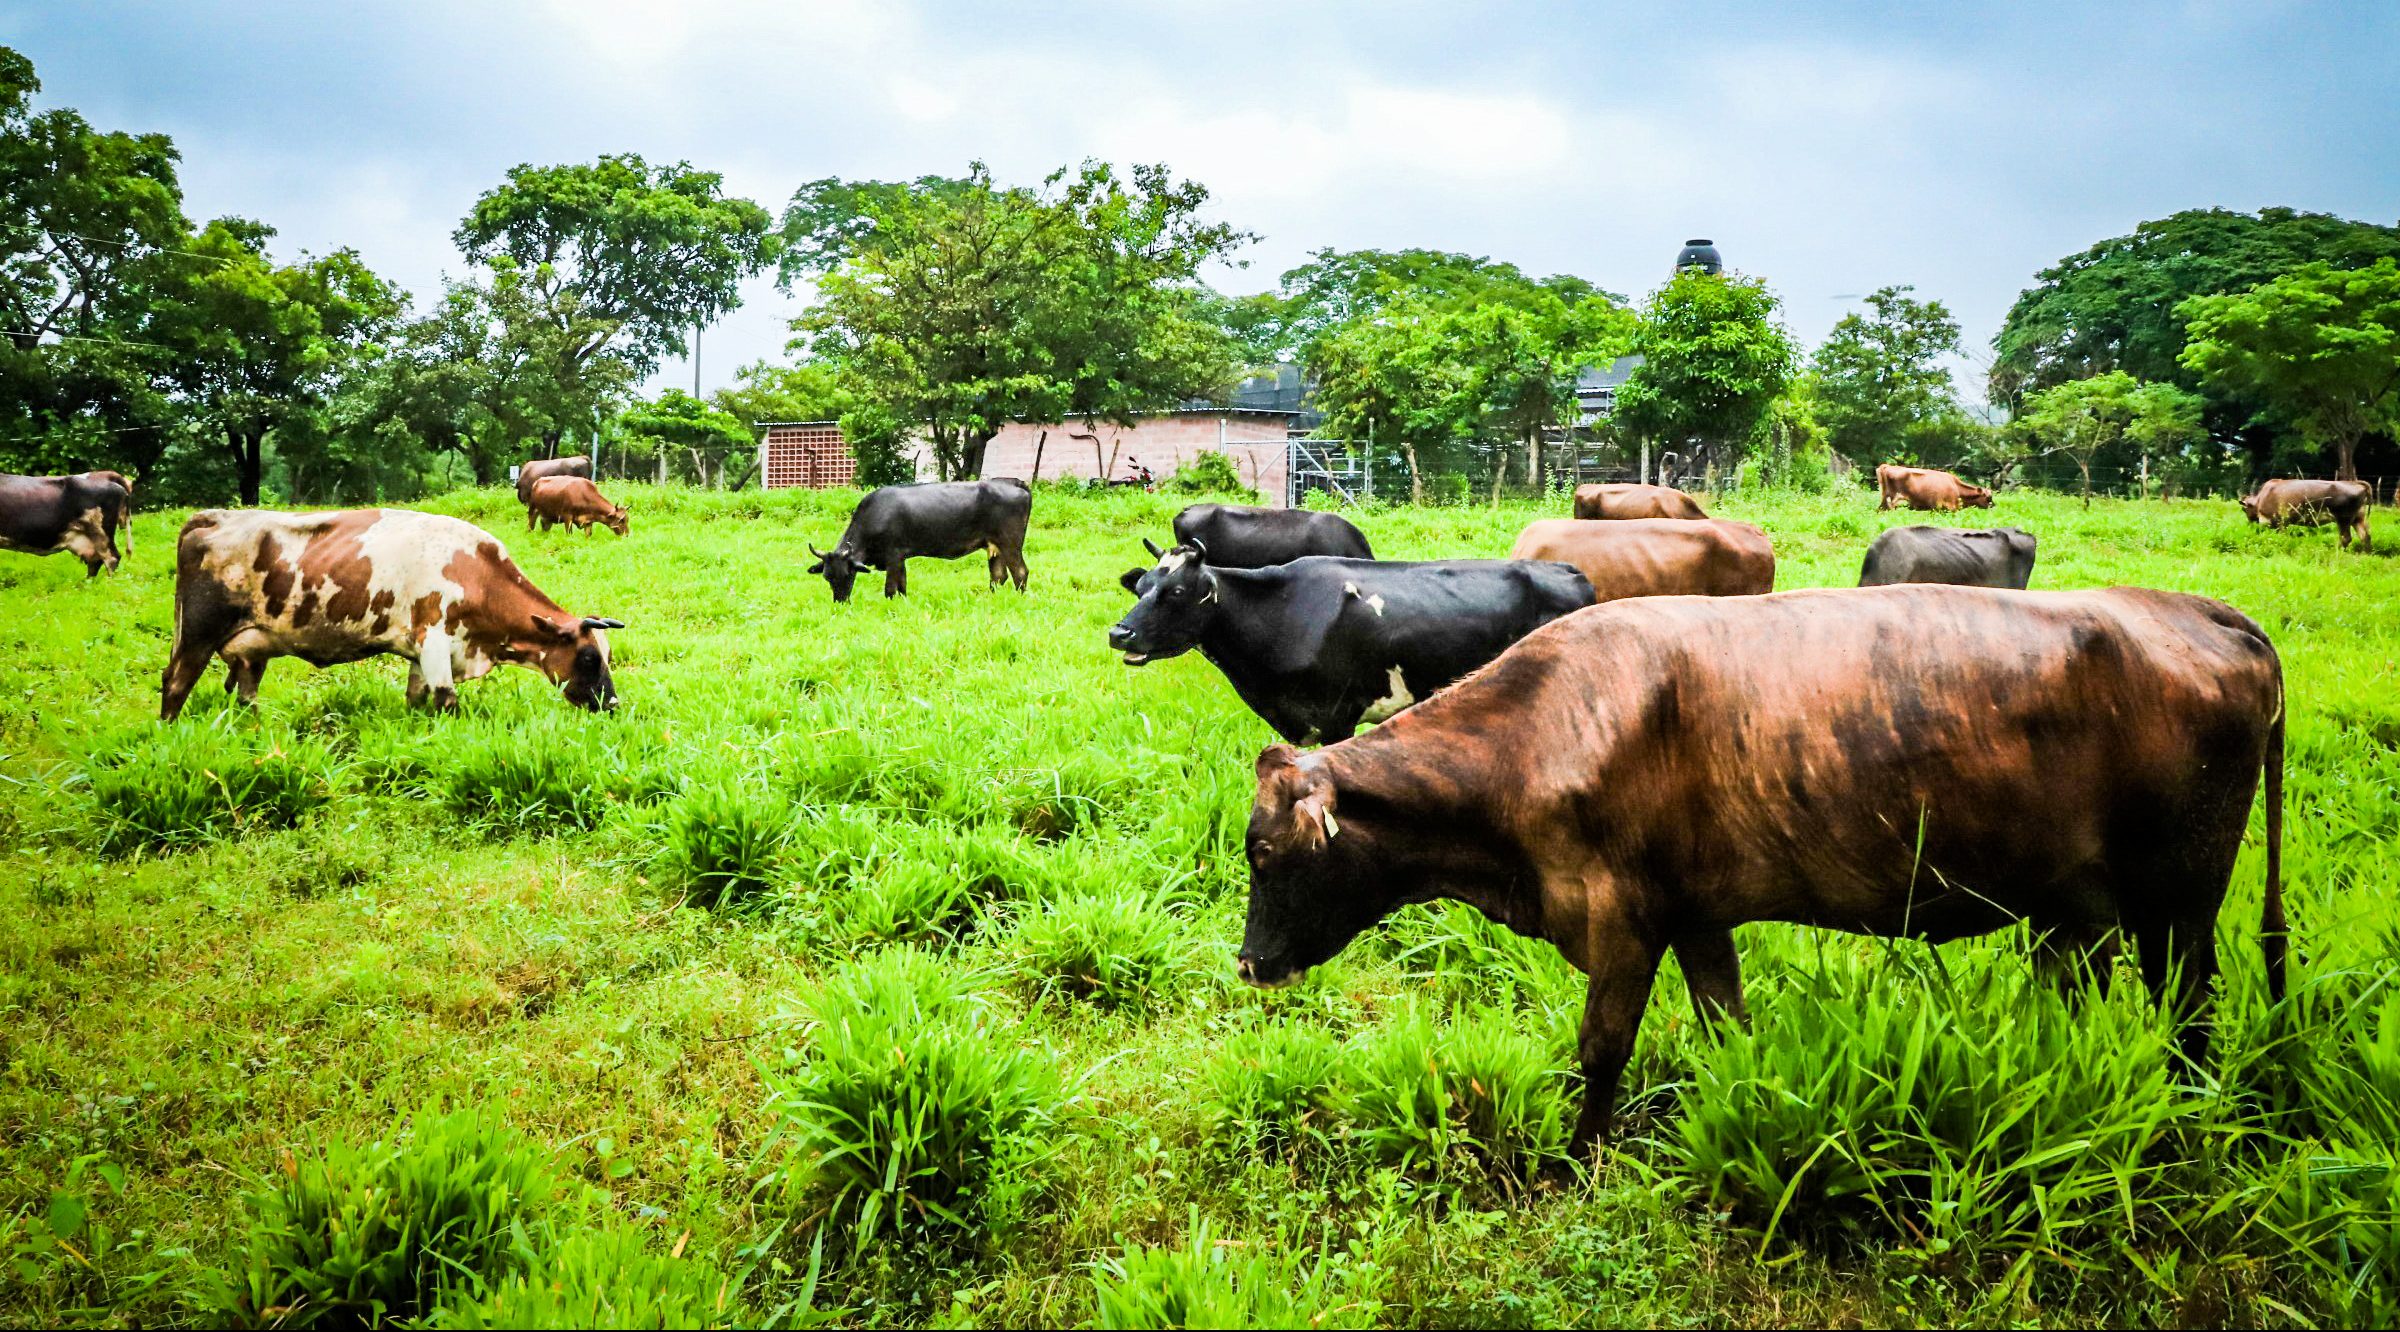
[1624,499]
[2314,504]
[1655,557]
[81,515]
[575,502]
[1927,488]
[253,584]
[1916,761]
[572,465]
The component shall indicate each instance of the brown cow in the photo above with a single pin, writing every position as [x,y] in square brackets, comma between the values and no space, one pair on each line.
[81,515]
[575,464]
[253,584]
[1923,761]
[2314,504]
[575,502]
[1624,499]
[1927,488]
[1655,557]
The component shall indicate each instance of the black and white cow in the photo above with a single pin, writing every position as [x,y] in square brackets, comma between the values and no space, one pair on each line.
[1317,645]
[81,515]
[942,520]
[1241,536]
[1999,557]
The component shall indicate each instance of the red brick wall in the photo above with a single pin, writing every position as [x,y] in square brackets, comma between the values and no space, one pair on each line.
[811,454]
[1255,442]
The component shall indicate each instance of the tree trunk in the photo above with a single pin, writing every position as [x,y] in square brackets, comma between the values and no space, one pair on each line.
[550,440]
[249,450]
[1416,479]
[1533,459]
[1499,473]
[970,454]
[2086,469]
[2345,458]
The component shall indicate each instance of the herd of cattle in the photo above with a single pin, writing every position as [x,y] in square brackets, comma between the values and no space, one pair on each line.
[1620,739]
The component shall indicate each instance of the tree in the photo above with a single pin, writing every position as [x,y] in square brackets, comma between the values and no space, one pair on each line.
[251,345]
[2085,418]
[2319,344]
[1713,361]
[677,420]
[1340,287]
[620,258]
[1524,358]
[1878,378]
[436,387]
[1396,380]
[765,391]
[967,305]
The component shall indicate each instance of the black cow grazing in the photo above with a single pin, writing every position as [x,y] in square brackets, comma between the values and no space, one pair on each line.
[1317,645]
[1240,536]
[941,520]
[2000,557]
[42,515]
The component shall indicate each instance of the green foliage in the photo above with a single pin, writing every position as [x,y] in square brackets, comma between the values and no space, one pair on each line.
[1211,473]
[766,391]
[1271,1088]
[603,1278]
[1208,1282]
[2319,344]
[907,1111]
[1713,361]
[1474,1095]
[544,773]
[726,842]
[1878,377]
[196,782]
[2111,417]
[1118,950]
[1339,288]
[385,1234]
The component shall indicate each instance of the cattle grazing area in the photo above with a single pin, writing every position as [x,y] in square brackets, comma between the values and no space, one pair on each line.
[873,963]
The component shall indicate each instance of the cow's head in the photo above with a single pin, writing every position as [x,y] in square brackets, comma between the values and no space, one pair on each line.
[2250,507]
[574,654]
[1975,497]
[840,567]
[617,521]
[1314,886]
[1174,603]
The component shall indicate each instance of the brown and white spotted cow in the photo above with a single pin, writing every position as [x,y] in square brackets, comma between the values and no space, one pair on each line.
[252,585]
[81,515]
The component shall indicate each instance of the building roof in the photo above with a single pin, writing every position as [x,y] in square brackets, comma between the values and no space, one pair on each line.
[1594,379]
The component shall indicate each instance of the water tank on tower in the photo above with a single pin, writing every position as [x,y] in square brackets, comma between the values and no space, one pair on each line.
[1700,254]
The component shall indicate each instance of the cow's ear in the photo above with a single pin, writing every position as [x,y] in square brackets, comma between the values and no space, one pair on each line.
[1275,758]
[817,568]
[1132,580]
[557,626]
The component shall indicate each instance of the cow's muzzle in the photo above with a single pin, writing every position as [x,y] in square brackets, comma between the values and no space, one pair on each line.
[1121,639]
[1264,978]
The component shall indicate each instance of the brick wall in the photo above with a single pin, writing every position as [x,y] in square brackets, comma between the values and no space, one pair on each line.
[811,454]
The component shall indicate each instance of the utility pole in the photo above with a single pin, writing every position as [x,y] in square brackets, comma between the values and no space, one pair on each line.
[695,360]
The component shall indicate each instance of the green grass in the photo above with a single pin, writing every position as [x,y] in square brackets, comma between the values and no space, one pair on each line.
[968,1050]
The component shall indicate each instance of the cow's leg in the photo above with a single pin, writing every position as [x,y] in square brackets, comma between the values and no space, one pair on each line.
[2075,958]
[1018,573]
[242,675]
[2366,539]
[1712,971]
[433,668]
[2179,965]
[895,579]
[185,665]
[995,566]
[417,688]
[1623,965]
[529,517]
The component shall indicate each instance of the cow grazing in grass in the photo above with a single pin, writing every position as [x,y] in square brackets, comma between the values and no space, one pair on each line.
[2346,504]
[1655,557]
[1317,645]
[81,515]
[2000,557]
[252,585]
[1926,488]
[1239,536]
[575,464]
[1921,761]
[1626,499]
[941,520]
[575,502]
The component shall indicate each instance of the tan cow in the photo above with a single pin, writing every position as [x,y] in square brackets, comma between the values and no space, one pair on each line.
[1625,499]
[1927,488]
[253,584]
[574,464]
[2314,504]
[575,502]
[1655,557]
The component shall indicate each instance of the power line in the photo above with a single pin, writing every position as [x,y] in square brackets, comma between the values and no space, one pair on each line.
[70,337]
[128,245]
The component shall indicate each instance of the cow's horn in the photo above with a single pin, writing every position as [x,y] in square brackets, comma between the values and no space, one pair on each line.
[1152,547]
[595,622]
[1198,549]
[812,549]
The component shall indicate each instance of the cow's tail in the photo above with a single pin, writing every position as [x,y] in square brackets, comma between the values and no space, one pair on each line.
[2274,939]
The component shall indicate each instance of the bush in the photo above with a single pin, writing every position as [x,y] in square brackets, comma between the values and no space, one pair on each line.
[1476,1096]
[1269,1088]
[1209,473]
[725,843]
[1117,950]
[197,782]
[385,1233]
[604,1278]
[1206,1283]
[907,1110]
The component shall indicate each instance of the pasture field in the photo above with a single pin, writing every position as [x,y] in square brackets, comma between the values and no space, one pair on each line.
[872,966]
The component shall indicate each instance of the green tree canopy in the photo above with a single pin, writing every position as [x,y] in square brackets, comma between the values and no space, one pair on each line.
[1878,387]
[1339,287]
[767,391]
[1713,361]
[678,422]
[2319,344]
[1397,379]
[1523,355]
[2085,420]
[966,305]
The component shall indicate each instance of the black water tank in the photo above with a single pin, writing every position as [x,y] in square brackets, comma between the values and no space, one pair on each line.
[1700,254]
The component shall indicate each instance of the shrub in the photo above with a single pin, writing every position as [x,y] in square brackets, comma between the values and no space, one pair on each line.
[603,1278]
[385,1233]
[725,843]
[907,1110]
[1475,1095]
[1270,1087]
[1117,950]
[1208,473]
[200,781]
[1982,1115]
[1207,1283]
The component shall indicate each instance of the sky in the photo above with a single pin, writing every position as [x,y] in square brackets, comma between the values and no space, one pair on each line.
[1830,149]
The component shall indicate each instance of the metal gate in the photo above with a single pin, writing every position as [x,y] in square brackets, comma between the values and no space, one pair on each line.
[1329,465]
